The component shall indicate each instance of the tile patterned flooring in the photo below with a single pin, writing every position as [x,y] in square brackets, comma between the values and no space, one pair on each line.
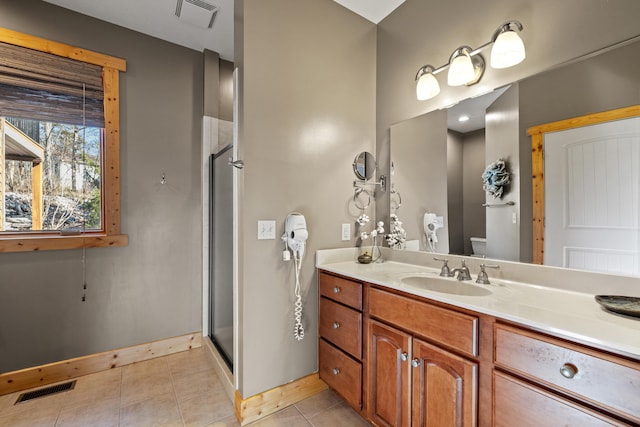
[177,390]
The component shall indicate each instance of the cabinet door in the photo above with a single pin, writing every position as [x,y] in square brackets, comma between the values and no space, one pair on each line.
[445,388]
[389,375]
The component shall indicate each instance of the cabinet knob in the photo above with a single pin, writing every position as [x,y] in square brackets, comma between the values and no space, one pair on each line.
[415,363]
[404,357]
[336,290]
[568,370]
[336,325]
[336,371]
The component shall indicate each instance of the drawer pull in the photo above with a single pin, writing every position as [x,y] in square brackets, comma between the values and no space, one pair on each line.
[568,370]
[415,363]
[336,371]
[404,357]
[336,290]
[336,325]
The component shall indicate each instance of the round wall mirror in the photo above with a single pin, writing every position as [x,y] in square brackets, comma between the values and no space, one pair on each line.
[364,165]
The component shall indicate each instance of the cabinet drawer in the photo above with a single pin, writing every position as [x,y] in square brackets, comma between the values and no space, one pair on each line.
[533,407]
[342,290]
[603,380]
[447,327]
[342,326]
[342,373]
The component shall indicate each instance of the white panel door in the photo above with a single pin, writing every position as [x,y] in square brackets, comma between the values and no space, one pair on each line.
[592,177]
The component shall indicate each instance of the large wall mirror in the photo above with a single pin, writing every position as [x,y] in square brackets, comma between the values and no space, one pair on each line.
[437,161]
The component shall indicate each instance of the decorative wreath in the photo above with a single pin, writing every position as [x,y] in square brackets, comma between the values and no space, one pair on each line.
[495,177]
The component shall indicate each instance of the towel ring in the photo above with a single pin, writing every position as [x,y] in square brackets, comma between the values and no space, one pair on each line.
[397,205]
[356,199]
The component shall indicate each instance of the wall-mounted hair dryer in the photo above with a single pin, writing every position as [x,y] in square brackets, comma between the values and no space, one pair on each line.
[432,223]
[295,238]
[295,233]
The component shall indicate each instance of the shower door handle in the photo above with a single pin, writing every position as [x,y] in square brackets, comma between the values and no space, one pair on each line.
[236,163]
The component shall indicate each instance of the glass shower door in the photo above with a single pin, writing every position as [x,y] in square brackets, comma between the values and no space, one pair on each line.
[221,252]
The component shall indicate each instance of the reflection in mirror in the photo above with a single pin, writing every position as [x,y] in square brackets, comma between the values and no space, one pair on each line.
[364,166]
[438,166]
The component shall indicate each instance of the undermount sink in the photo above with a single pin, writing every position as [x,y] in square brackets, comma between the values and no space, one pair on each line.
[445,286]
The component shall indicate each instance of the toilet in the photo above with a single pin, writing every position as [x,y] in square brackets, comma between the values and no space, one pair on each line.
[479,246]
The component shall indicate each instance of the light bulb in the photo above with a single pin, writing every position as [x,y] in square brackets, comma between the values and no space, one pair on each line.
[427,86]
[461,70]
[508,50]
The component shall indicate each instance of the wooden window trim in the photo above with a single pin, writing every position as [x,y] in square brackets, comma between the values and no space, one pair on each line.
[111,234]
[537,162]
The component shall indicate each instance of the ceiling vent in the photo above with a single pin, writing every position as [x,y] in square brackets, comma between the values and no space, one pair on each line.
[196,12]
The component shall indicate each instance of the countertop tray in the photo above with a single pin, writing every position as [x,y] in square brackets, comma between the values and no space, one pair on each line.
[620,304]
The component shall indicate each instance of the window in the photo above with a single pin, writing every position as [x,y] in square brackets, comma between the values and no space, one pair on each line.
[59,146]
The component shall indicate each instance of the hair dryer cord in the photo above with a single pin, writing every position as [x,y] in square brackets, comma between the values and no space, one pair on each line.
[298,329]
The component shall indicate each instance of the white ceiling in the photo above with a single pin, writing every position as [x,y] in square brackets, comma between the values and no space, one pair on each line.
[157,18]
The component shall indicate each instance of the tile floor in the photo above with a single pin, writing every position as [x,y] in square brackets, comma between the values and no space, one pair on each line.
[177,390]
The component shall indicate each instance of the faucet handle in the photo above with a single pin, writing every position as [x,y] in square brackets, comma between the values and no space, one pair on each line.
[483,277]
[445,271]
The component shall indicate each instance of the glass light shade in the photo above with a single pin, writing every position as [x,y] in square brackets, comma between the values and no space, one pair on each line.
[427,87]
[461,70]
[508,50]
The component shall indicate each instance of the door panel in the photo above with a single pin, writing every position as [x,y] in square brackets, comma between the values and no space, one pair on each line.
[389,380]
[592,188]
[444,388]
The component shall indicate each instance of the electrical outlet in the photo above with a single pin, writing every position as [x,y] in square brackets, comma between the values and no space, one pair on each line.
[346,232]
[266,230]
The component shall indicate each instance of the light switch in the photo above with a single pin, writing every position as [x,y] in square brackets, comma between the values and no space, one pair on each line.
[266,230]
[346,231]
[514,218]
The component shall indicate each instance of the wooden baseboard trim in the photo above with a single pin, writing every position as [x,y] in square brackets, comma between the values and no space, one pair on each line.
[36,376]
[270,401]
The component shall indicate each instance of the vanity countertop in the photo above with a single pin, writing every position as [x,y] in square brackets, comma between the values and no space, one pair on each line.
[561,312]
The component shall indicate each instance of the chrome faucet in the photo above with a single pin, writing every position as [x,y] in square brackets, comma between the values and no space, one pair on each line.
[445,271]
[463,272]
[483,278]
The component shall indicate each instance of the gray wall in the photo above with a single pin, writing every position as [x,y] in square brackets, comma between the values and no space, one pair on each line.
[455,191]
[420,32]
[473,195]
[307,107]
[503,236]
[423,137]
[151,289]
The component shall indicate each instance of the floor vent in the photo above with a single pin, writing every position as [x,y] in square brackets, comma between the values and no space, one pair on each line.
[58,388]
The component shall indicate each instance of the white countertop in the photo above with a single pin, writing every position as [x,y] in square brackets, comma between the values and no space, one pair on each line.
[561,312]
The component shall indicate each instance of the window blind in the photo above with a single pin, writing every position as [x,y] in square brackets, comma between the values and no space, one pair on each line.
[42,86]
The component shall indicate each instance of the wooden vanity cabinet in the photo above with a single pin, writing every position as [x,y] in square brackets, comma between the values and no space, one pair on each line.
[541,378]
[413,382]
[401,360]
[340,332]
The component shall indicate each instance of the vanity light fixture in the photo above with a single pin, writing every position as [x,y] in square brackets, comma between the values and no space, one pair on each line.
[466,66]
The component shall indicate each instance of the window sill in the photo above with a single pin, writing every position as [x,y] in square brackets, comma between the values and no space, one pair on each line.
[40,243]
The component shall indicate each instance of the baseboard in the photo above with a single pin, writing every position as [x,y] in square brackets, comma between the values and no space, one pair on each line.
[60,371]
[270,401]
[221,368]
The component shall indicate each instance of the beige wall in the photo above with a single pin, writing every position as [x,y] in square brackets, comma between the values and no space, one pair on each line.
[421,32]
[307,107]
[151,289]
